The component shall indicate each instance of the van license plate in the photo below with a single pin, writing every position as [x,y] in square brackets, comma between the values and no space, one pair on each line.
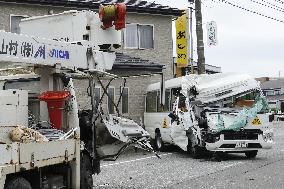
[241,145]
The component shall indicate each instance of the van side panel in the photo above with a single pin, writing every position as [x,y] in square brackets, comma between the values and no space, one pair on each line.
[158,120]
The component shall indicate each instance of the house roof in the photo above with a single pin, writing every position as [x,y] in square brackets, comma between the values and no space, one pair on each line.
[137,6]
[272,84]
[124,61]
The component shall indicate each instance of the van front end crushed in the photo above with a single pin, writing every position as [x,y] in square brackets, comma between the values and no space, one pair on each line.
[240,141]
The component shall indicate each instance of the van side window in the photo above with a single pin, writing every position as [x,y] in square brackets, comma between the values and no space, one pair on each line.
[167,100]
[159,108]
[151,101]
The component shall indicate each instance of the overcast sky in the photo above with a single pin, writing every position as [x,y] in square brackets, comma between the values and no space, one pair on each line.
[247,42]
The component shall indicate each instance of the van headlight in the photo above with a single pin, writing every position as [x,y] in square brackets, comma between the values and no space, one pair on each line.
[268,136]
[216,138]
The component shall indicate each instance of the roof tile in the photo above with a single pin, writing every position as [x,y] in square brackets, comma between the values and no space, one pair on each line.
[132,5]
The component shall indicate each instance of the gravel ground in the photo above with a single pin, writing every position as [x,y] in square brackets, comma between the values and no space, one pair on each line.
[176,169]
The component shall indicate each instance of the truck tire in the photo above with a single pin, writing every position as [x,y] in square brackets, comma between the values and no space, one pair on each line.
[251,154]
[86,173]
[18,183]
[158,143]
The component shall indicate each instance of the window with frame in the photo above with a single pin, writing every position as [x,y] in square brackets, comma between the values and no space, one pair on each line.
[15,23]
[124,100]
[139,36]
[110,100]
[97,96]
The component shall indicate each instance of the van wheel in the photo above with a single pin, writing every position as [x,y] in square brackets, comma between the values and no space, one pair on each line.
[159,144]
[251,154]
[18,183]
[194,150]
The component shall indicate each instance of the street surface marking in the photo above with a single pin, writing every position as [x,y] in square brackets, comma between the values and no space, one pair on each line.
[139,159]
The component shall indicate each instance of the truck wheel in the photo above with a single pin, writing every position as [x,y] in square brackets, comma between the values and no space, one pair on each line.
[18,183]
[159,144]
[251,154]
[86,172]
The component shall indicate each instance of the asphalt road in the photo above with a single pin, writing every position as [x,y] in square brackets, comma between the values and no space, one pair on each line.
[177,169]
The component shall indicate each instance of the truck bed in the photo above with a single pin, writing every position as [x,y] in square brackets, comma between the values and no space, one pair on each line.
[16,157]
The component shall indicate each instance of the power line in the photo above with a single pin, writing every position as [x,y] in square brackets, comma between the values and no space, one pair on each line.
[280,10]
[251,11]
[279,1]
[272,4]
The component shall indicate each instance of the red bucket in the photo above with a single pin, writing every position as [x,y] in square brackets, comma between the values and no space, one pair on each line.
[55,103]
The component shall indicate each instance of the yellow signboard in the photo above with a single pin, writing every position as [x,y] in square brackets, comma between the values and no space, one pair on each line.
[256,121]
[181,41]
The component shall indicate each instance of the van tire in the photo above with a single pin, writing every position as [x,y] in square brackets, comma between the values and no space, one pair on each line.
[158,143]
[251,154]
[18,183]
[194,150]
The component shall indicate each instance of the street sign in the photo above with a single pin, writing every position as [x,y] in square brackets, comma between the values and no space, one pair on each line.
[181,41]
[212,33]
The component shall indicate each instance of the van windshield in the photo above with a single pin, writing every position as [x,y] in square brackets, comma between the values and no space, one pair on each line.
[241,101]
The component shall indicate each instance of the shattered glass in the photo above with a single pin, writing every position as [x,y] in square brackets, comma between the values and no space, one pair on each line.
[243,116]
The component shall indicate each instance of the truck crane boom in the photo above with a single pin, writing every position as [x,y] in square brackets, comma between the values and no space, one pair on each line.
[23,49]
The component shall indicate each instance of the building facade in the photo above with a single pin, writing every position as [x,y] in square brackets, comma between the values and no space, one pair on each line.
[273,89]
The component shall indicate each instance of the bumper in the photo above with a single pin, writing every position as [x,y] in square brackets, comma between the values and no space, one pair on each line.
[231,145]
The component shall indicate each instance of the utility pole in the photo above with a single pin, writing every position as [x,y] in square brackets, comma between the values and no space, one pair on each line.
[199,36]
[191,41]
